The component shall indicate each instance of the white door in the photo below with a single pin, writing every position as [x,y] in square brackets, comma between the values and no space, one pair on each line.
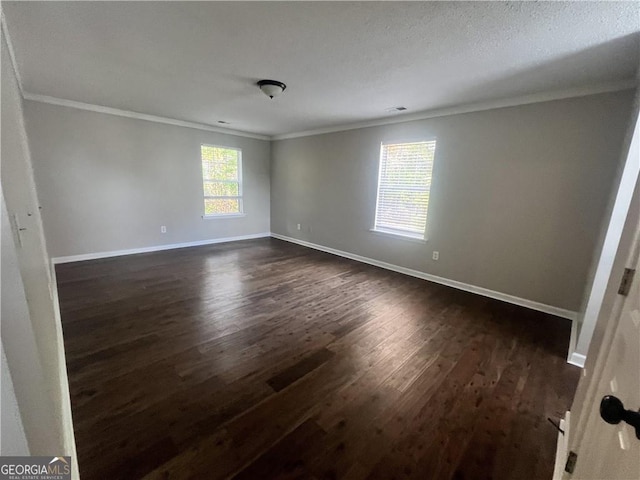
[612,451]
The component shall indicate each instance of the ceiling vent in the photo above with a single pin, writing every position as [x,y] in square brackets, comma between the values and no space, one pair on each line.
[396,109]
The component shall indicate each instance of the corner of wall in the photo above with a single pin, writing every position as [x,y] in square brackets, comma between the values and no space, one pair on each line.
[612,230]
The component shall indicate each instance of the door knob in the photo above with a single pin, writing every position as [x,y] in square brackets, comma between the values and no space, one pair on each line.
[612,411]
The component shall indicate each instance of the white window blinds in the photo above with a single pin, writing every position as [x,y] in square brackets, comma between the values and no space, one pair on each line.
[222,180]
[404,183]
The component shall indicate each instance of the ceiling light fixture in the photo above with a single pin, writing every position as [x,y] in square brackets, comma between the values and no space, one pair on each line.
[271,88]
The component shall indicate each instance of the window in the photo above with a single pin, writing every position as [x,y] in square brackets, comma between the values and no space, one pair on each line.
[404,183]
[222,180]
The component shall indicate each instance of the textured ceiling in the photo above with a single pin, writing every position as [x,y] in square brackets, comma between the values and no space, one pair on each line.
[342,62]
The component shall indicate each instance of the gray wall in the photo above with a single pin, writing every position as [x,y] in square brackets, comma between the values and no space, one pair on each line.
[108,183]
[609,238]
[517,200]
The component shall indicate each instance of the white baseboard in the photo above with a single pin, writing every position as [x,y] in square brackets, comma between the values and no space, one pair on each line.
[541,307]
[155,248]
[577,359]
[574,358]
[69,438]
[561,448]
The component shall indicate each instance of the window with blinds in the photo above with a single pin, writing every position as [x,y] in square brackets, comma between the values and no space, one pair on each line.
[404,183]
[222,180]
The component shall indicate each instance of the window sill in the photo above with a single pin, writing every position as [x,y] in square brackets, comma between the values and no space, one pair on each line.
[218,217]
[398,236]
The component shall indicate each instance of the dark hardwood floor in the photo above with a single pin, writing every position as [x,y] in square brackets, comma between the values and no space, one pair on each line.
[262,359]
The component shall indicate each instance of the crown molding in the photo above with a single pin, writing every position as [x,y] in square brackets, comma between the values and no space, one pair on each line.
[423,115]
[472,107]
[108,110]
[139,116]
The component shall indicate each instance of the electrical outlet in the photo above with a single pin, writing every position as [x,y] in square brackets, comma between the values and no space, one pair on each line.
[163,229]
[436,255]
[299,227]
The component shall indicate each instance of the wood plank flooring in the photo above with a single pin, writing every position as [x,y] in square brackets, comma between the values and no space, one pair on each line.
[262,359]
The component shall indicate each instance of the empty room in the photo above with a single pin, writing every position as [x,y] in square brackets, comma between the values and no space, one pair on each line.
[320,240]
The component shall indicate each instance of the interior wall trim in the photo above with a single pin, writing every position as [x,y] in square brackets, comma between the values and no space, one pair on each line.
[562,445]
[523,302]
[155,248]
[473,107]
[614,86]
[443,112]
[577,359]
[139,116]
[572,357]
[69,431]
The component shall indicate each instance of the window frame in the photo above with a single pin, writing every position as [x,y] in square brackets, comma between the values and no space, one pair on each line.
[397,233]
[240,181]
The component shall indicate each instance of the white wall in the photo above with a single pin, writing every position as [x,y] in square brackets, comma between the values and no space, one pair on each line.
[23,362]
[12,437]
[108,183]
[611,307]
[517,201]
[31,333]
